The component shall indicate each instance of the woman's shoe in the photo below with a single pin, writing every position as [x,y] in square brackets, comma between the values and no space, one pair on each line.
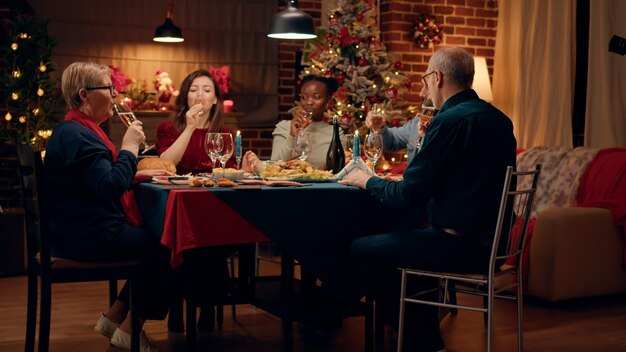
[121,339]
[105,327]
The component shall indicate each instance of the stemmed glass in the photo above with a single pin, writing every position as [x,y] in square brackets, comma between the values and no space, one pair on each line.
[428,109]
[212,147]
[126,115]
[227,147]
[302,144]
[373,147]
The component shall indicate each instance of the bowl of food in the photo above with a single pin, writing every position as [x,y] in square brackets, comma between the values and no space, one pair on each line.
[229,173]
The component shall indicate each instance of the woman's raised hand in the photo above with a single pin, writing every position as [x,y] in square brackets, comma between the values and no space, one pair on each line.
[374,120]
[133,137]
[422,125]
[301,119]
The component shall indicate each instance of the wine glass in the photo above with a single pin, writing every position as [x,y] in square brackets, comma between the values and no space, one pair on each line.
[428,109]
[373,147]
[212,146]
[302,144]
[126,115]
[227,147]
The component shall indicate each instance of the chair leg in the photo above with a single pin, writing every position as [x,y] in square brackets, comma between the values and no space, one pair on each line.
[31,315]
[520,315]
[452,296]
[220,316]
[402,305]
[379,329]
[44,315]
[135,326]
[112,292]
[369,324]
[190,332]
[490,317]
[175,317]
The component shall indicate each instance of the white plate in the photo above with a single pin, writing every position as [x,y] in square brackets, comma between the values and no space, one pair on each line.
[176,180]
[303,179]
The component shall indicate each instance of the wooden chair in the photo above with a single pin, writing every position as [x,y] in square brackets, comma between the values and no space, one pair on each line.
[482,284]
[58,270]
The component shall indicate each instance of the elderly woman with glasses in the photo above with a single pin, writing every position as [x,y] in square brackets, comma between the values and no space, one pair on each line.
[87,182]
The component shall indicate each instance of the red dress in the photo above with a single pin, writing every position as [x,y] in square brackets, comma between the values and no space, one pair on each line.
[195,159]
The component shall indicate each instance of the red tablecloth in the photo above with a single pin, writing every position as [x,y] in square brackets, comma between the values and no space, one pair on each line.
[189,225]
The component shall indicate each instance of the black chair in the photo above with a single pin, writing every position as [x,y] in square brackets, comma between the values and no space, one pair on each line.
[483,284]
[58,270]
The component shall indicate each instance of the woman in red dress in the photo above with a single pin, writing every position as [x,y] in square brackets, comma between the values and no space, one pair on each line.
[198,111]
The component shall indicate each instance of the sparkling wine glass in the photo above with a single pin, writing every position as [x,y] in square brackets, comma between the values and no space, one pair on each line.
[212,146]
[302,144]
[227,147]
[373,147]
[428,109]
[126,115]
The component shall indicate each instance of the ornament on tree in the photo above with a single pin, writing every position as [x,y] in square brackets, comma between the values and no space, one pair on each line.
[351,51]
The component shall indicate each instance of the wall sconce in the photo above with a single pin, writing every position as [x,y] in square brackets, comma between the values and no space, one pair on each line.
[292,23]
[168,32]
[482,83]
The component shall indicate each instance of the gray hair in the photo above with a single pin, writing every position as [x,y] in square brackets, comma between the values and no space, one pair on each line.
[456,64]
[79,75]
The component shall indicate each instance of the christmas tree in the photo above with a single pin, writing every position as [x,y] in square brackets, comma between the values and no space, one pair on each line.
[369,77]
[27,88]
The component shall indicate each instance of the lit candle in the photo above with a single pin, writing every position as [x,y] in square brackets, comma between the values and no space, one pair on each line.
[356,152]
[229,105]
[238,145]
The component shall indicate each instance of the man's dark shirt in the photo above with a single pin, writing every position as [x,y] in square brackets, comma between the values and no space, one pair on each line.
[460,169]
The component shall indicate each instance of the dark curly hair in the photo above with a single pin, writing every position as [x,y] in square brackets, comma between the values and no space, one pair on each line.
[330,82]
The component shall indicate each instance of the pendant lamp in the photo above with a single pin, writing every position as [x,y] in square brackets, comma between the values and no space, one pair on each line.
[168,32]
[292,23]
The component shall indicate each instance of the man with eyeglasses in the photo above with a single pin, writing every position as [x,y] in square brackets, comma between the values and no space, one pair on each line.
[459,174]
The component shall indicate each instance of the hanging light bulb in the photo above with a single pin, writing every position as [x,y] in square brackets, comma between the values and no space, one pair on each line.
[42,67]
[40,92]
[292,23]
[15,95]
[8,116]
[14,46]
[168,32]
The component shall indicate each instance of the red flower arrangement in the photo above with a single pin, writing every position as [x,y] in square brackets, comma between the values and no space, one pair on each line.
[427,31]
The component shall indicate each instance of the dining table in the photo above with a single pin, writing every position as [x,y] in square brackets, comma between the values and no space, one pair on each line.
[313,223]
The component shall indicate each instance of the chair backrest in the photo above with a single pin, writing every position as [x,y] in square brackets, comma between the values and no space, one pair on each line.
[518,194]
[31,170]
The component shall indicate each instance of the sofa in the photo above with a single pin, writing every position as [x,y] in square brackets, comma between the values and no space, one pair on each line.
[577,242]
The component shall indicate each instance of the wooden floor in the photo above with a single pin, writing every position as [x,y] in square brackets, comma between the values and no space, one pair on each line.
[586,325]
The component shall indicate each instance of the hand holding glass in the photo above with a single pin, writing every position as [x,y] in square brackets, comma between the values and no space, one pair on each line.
[126,115]
[428,109]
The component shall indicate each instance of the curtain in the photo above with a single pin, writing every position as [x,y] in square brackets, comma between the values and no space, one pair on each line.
[605,116]
[216,32]
[534,68]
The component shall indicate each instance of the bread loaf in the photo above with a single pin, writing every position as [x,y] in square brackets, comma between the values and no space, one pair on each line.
[156,164]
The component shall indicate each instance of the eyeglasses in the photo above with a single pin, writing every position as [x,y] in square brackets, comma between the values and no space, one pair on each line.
[426,75]
[110,88]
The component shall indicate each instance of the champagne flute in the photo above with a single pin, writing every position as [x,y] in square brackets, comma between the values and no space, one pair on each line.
[126,115]
[212,146]
[373,147]
[302,144]
[428,109]
[227,147]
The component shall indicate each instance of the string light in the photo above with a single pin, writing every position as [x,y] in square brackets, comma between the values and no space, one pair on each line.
[36,111]
[14,46]
[15,95]
[40,92]
[8,116]
[16,73]
[23,35]
[22,119]
[42,67]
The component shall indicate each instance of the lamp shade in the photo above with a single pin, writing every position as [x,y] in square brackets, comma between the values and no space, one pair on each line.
[292,23]
[482,84]
[168,33]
